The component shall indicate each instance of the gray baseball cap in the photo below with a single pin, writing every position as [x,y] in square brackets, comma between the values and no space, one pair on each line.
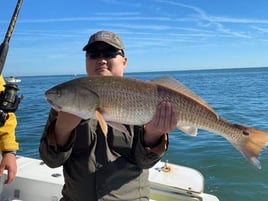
[107,37]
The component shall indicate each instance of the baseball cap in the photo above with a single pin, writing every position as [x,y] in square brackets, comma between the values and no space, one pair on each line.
[107,37]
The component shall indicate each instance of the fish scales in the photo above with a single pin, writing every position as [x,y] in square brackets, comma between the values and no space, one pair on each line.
[137,103]
[119,105]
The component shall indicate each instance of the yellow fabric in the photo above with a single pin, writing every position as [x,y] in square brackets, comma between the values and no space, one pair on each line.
[7,132]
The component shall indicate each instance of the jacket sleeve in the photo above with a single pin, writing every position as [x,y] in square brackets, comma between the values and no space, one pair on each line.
[50,153]
[146,157]
[7,132]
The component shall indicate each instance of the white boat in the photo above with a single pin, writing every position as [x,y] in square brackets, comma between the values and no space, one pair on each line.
[37,182]
[12,79]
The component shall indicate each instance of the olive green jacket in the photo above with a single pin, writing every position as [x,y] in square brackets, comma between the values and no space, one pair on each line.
[99,167]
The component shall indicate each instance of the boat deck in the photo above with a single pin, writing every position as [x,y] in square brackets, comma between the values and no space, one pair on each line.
[37,182]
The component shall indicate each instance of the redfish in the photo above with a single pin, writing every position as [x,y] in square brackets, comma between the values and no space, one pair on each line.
[118,100]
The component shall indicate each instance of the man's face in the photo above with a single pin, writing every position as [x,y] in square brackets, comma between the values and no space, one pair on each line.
[103,59]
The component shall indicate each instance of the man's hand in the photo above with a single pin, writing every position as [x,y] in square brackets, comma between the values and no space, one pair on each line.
[9,163]
[163,121]
[66,122]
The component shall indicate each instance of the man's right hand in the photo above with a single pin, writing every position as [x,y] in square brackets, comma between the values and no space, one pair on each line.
[65,123]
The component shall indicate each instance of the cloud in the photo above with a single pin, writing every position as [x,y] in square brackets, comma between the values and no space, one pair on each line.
[239,20]
[205,20]
[140,26]
[260,29]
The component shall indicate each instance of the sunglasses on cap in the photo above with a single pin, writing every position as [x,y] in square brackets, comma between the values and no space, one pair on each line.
[107,54]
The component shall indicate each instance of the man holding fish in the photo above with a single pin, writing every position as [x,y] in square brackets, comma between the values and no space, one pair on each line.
[105,160]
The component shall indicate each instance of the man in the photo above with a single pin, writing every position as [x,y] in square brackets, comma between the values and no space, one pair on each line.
[8,144]
[98,167]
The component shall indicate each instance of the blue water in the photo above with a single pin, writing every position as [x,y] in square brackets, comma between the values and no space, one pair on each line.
[239,95]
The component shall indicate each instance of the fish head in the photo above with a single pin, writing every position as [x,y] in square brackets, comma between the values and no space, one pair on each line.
[74,98]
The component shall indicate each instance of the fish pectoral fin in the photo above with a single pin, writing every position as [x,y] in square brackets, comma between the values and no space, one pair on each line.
[102,122]
[118,126]
[192,131]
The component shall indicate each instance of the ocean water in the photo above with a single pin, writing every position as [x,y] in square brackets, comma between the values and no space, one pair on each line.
[239,95]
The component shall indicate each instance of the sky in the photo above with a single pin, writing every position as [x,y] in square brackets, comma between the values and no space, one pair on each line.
[159,35]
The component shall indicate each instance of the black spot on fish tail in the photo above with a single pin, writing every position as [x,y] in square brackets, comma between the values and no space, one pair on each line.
[245,132]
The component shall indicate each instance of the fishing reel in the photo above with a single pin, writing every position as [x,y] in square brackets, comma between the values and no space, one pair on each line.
[9,102]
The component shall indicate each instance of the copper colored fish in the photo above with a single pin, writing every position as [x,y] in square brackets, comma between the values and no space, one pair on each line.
[118,100]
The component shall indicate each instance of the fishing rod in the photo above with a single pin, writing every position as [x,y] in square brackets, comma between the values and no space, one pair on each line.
[5,44]
[9,99]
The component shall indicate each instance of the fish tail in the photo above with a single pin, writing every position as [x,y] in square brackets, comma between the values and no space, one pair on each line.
[253,143]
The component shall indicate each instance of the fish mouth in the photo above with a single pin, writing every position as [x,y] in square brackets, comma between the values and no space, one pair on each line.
[49,95]
[54,105]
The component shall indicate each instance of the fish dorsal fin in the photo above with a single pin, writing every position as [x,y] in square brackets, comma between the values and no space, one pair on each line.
[182,89]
